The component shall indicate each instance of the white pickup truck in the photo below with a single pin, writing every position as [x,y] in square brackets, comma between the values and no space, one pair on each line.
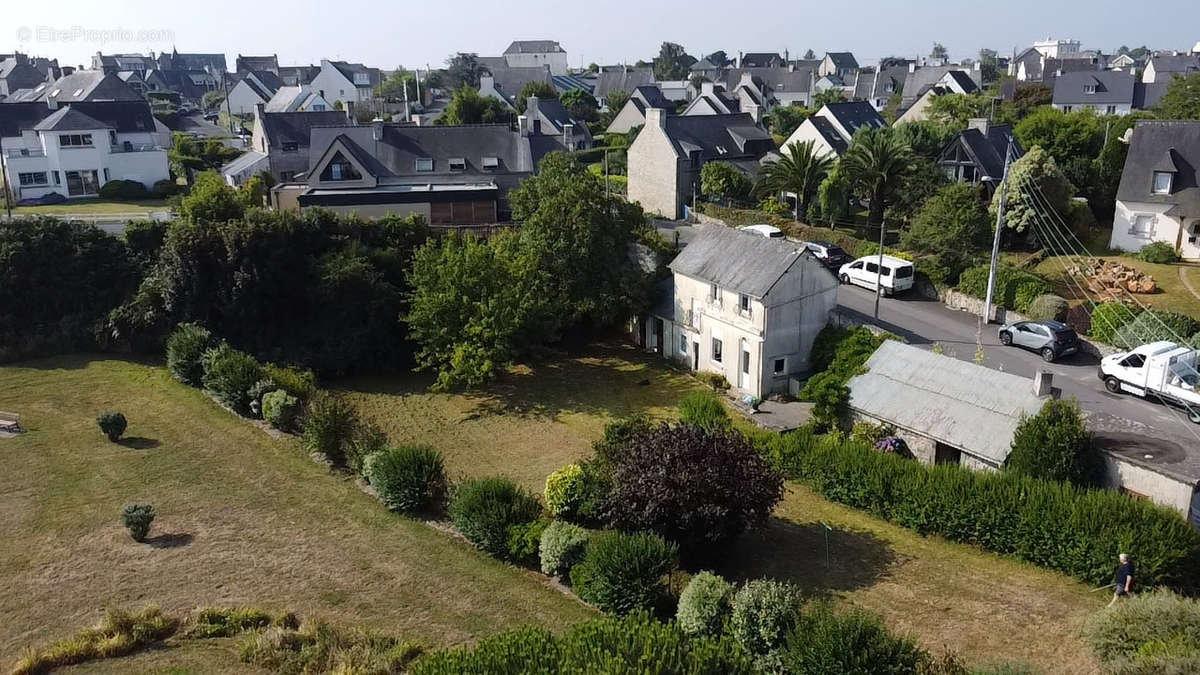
[1162,370]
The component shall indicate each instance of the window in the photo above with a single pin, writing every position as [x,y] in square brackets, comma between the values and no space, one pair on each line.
[682,344]
[1067,108]
[885,272]
[1162,182]
[856,266]
[106,178]
[32,178]
[57,178]
[424,164]
[458,164]
[491,162]
[904,272]
[340,169]
[82,183]
[744,303]
[1089,88]
[112,137]
[872,267]
[1110,110]
[318,107]
[780,367]
[1134,361]
[75,141]
[290,146]
[716,350]
[714,293]
[1143,226]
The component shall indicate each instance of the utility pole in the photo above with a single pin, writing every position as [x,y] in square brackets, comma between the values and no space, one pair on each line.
[879,270]
[4,180]
[987,303]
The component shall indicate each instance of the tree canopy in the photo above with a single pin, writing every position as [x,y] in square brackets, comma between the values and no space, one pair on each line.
[463,69]
[799,170]
[581,105]
[1182,100]
[953,220]
[468,107]
[672,62]
[785,119]
[542,90]
[1035,184]
[876,166]
[1055,445]
[720,180]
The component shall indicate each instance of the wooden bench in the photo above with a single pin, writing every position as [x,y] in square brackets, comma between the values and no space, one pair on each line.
[9,421]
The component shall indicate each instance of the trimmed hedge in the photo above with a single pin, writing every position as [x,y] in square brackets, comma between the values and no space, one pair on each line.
[562,547]
[1153,325]
[705,605]
[1074,530]
[1015,288]
[1048,306]
[1159,252]
[1110,317]
[112,424]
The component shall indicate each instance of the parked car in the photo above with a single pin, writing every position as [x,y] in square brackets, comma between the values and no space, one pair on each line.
[895,276]
[1052,339]
[212,116]
[830,255]
[1162,370]
[769,231]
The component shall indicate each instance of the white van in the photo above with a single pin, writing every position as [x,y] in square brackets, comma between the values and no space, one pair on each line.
[896,275]
[769,231]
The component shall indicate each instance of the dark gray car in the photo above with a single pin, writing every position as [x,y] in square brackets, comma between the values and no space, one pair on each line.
[1052,339]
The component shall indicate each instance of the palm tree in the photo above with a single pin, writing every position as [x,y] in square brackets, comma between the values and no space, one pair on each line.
[799,171]
[877,164]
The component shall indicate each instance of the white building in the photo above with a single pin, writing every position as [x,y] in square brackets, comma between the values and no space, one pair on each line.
[345,82]
[833,126]
[741,305]
[1159,199]
[1057,49]
[537,54]
[75,149]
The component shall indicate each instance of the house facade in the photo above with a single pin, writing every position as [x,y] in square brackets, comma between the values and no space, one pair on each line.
[833,126]
[633,113]
[976,154]
[1162,69]
[345,82]
[743,306]
[1109,92]
[537,54]
[284,138]
[1159,195]
[75,149]
[251,90]
[837,64]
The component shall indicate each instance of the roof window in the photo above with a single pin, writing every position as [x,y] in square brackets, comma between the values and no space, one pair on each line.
[424,164]
[491,162]
[458,164]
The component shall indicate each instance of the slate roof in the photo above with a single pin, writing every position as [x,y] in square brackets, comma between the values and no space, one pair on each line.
[179,81]
[780,79]
[298,74]
[554,112]
[1113,87]
[534,47]
[1148,95]
[348,70]
[740,261]
[720,137]
[290,99]
[855,115]
[988,151]
[246,64]
[395,156]
[123,116]
[89,85]
[192,61]
[761,60]
[842,59]
[243,161]
[1165,67]
[67,118]
[1152,144]
[651,95]
[829,133]
[894,76]
[565,83]
[963,80]
[510,81]
[922,80]
[622,79]
[19,75]
[296,126]
[966,406]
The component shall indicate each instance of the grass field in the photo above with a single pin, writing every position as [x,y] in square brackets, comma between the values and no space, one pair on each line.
[1172,295]
[93,207]
[243,519]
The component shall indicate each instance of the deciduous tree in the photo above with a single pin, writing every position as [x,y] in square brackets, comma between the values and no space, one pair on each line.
[672,62]
[542,90]
[1182,100]
[1035,186]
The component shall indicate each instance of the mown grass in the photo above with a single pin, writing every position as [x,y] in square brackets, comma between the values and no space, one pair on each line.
[1172,294]
[93,207]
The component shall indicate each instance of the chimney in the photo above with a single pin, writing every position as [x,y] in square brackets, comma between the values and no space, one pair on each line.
[980,123]
[1043,382]
[534,112]
[739,61]
[912,66]
[656,117]
[706,88]
[487,82]
[754,110]
[569,136]
[52,101]
[523,125]
[377,131]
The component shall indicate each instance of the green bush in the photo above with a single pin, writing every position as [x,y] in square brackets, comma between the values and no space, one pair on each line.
[280,409]
[635,643]
[145,238]
[229,375]
[185,352]
[562,547]
[1055,445]
[704,410]
[764,612]
[409,479]
[704,605]
[565,492]
[483,508]
[1159,252]
[329,428]
[715,381]
[524,540]
[1056,525]
[1015,287]
[137,519]
[1154,325]
[214,622]
[119,633]
[165,188]
[1155,632]
[112,424]
[1028,291]
[367,440]
[838,354]
[853,643]
[123,189]
[1048,306]
[298,382]
[1110,317]
[622,572]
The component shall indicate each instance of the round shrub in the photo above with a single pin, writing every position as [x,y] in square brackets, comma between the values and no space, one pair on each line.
[1028,291]
[185,352]
[562,547]
[137,519]
[483,508]
[704,605]
[230,374]
[524,540]
[857,642]
[409,479]
[1159,252]
[123,189]
[703,409]
[164,188]
[280,408]
[329,428]
[1154,325]
[623,572]
[1109,317]
[764,612]
[565,492]
[1048,306]
[112,424]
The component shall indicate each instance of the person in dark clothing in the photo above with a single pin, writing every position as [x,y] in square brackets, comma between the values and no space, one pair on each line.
[1123,579]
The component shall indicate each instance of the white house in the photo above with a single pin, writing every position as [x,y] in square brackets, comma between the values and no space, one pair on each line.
[1106,92]
[537,54]
[76,148]
[252,89]
[741,305]
[833,126]
[1159,195]
[633,113]
[345,82]
[301,98]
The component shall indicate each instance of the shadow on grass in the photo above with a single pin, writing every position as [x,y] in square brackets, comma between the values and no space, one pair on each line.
[796,552]
[138,443]
[173,540]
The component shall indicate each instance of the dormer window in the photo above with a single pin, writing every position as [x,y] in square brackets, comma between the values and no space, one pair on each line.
[491,162]
[340,169]
[424,164]
[457,164]
[1162,182]
[721,149]
[1089,88]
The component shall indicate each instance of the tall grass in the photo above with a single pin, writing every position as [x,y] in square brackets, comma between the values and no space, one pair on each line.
[118,633]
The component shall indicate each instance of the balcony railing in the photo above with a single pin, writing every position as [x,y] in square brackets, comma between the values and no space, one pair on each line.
[134,147]
[22,152]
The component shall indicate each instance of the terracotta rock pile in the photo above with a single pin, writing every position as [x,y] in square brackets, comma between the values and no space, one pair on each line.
[1108,279]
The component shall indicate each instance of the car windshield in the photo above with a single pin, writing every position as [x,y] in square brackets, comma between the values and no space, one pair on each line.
[834,251]
[1065,335]
[904,272]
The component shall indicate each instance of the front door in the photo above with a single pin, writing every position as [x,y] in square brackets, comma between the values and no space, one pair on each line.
[695,356]
[658,337]
[744,367]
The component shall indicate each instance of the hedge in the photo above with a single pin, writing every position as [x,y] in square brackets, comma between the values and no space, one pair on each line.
[1074,530]
[1154,325]
[1110,317]
[1015,288]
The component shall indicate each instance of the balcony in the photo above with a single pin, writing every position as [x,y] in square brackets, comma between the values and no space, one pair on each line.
[23,152]
[133,147]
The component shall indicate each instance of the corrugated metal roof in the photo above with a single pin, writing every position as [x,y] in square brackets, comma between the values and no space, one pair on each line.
[970,407]
[740,261]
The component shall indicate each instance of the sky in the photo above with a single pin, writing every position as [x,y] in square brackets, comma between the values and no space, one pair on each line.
[412,33]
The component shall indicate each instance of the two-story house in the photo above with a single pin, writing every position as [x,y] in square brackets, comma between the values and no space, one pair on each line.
[833,126]
[1159,195]
[537,54]
[1108,92]
[250,64]
[837,64]
[633,113]
[976,154]
[1162,69]
[345,82]
[741,305]
[283,139]
[249,90]
[79,86]
[74,149]
[17,73]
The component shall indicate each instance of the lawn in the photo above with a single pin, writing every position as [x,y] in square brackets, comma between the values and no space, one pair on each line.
[1172,295]
[93,207]
[533,421]
[243,519]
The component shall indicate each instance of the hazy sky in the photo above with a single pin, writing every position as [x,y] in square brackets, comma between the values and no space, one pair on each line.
[412,33]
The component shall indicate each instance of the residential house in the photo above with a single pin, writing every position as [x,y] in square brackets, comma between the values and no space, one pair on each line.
[244,167]
[743,306]
[920,80]
[81,85]
[212,63]
[952,82]
[346,82]
[75,148]
[977,153]
[452,175]
[1126,62]
[621,78]
[294,76]
[760,60]
[548,118]
[878,85]
[1044,65]
[297,99]
[191,85]
[565,83]
[666,157]
[787,85]
[833,126]
[1163,69]
[705,68]
[713,100]
[1159,195]
[284,138]
[505,84]
[17,73]
[134,79]
[250,64]
[840,64]
[1107,92]
[677,90]
[633,113]
[251,90]
[112,64]
[537,54]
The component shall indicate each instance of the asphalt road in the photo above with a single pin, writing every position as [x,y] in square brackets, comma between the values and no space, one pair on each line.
[924,323]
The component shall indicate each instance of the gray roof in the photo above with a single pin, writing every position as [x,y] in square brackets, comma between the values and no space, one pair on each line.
[970,407]
[396,154]
[855,115]
[651,95]
[298,74]
[988,151]
[348,71]
[761,60]
[20,75]
[1148,95]
[295,127]
[534,47]
[89,85]
[922,80]
[246,63]
[510,81]
[963,80]
[718,137]
[290,99]
[842,59]
[243,161]
[781,79]
[1152,145]
[67,118]
[1113,87]
[1165,67]
[123,116]
[192,61]
[829,133]
[740,261]
[622,78]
